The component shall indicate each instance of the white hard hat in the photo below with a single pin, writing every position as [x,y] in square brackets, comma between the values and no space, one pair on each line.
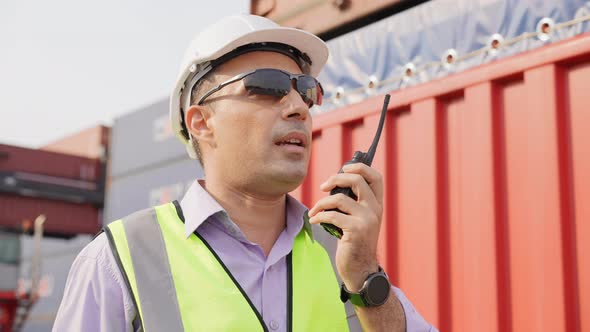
[229,37]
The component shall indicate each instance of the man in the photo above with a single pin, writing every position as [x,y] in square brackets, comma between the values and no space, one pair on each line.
[237,253]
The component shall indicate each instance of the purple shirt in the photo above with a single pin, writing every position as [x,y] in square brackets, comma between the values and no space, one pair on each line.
[96,298]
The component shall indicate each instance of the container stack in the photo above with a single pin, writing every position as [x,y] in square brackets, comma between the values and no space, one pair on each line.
[148,165]
[60,185]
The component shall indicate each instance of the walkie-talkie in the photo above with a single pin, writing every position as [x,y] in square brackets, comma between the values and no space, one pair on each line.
[358,157]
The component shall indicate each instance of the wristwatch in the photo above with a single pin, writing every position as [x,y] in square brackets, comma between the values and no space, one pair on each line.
[375,291]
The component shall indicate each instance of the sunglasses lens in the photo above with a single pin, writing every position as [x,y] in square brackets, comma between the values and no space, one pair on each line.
[273,82]
[310,90]
[268,83]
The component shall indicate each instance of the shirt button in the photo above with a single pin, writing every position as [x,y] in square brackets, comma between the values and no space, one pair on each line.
[274,325]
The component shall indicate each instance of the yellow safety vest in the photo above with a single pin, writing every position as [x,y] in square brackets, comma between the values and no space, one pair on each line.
[181,284]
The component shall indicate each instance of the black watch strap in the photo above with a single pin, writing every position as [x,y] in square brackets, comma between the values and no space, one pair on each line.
[366,296]
[355,298]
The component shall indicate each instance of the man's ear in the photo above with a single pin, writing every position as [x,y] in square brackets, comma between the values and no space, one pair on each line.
[198,123]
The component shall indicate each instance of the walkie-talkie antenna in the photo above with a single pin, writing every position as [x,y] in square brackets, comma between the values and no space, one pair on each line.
[373,148]
[358,157]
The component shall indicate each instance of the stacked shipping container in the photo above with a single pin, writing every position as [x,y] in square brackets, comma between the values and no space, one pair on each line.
[67,189]
[52,181]
[148,165]
[89,143]
[311,15]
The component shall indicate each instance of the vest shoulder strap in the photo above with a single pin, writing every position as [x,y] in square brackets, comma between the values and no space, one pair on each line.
[157,306]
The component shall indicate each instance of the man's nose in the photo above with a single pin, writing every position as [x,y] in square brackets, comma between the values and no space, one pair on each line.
[294,106]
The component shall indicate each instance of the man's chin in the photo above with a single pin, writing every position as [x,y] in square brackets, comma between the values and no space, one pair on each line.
[293,180]
[289,180]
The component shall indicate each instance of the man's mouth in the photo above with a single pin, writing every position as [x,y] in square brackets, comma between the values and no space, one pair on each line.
[295,138]
[295,142]
[292,141]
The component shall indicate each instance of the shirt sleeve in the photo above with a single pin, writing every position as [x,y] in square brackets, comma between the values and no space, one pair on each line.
[95,297]
[414,321]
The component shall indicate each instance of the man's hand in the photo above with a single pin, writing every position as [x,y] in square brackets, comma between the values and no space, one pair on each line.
[356,256]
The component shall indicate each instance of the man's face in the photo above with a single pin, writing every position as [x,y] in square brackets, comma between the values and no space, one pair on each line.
[251,133]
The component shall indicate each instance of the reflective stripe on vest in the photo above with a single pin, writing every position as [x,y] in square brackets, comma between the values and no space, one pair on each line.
[180,283]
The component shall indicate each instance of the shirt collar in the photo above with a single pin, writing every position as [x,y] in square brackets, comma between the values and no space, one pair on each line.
[298,212]
[198,206]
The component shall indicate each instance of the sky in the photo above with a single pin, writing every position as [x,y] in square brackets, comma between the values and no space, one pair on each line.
[68,65]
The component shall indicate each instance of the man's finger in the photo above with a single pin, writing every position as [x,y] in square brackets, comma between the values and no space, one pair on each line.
[373,178]
[342,221]
[338,201]
[359,186]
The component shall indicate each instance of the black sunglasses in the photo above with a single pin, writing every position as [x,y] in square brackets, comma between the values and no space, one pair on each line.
[276,82]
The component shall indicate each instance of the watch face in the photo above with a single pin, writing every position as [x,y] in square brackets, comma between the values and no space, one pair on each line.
[378,290]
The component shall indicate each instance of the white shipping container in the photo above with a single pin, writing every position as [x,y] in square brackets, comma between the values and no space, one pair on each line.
[143,139]
[154,186]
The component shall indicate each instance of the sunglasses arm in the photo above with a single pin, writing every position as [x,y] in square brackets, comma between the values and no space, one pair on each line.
[222,85]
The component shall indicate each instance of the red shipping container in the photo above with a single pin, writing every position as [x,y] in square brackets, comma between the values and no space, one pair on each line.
[319,16]
[88,143]
[17,159]
[63,219]
[487,178]
[8,304]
